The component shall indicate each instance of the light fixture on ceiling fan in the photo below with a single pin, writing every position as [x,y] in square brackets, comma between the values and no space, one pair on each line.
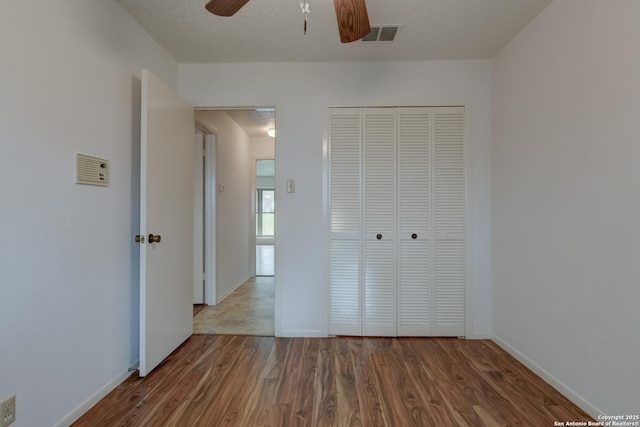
[353,20]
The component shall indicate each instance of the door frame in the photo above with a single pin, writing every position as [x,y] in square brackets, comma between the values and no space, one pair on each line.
[205,233]
[210,298]
[198,216]
[210,288]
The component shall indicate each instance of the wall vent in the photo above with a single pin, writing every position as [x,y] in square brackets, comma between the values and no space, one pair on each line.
[382,34]
[92,170]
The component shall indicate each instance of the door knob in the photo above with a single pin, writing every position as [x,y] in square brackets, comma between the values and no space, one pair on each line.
[414,236]
[139,238]
[379,236]
[154,238]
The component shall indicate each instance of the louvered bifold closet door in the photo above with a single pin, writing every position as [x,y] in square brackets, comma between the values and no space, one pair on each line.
[449,222]
[379,138]
[414,217]
[345,152]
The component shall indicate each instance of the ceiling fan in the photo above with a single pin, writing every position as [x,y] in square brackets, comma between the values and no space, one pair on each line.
[353,21]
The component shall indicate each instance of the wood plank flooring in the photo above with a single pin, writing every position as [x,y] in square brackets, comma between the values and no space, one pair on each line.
[197,308]
[227,380]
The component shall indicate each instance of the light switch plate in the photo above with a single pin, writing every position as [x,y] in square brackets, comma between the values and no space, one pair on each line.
[291,186]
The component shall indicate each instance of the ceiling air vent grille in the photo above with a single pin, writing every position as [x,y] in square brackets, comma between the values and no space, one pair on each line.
[382,34]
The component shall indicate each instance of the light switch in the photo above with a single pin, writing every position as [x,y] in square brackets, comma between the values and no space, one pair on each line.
[221,188]
[291,186]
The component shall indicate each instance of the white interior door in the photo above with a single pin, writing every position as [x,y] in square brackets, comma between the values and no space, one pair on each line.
[166,213]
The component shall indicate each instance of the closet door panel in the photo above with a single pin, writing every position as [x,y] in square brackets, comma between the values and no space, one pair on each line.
[414,292]
[379,172]
[379,147]
[449,222]
[380,289]
[345,153]
[414,218]
[414,172]
[345,287]
[449,171]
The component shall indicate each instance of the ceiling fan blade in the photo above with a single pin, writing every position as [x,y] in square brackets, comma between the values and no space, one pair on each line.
[225,7]
[353,21]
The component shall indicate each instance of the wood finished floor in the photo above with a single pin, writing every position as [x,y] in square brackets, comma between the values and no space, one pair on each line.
[226,380]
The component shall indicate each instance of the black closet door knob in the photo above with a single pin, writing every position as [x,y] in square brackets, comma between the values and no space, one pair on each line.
[379,236]
[414,236]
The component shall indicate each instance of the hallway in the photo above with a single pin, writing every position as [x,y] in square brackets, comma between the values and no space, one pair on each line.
[249,310]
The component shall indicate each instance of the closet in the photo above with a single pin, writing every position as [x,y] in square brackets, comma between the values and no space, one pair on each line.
[397,221]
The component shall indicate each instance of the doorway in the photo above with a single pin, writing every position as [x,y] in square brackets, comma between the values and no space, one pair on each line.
[242,297]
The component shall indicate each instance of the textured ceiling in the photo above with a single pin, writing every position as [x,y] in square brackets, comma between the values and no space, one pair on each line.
[254,121]
[272,30]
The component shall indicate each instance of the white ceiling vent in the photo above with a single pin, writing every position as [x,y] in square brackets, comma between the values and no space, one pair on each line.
[382,34]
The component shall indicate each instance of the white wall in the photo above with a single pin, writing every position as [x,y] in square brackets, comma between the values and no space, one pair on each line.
[302,94]
[262,147]
[68,276]
[233,205]
[566,200]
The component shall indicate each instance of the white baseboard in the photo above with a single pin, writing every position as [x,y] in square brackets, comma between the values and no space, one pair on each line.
[480,336]
[236,286]
[569,393]
[302,333]
[81,409]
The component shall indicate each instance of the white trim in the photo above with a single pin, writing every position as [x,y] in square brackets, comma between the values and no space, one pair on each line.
[198,218]
[326,230]
[479,336]
[265,241]
[210,287]
[303,333]
[252,220]
[468,226]
[568,392]
[279,226]
[81,409]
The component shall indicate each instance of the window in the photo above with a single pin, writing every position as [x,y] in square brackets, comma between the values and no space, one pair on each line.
[265,197]
[265,212]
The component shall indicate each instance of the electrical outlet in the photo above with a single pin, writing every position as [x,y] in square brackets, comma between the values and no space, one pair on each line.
[8,411]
